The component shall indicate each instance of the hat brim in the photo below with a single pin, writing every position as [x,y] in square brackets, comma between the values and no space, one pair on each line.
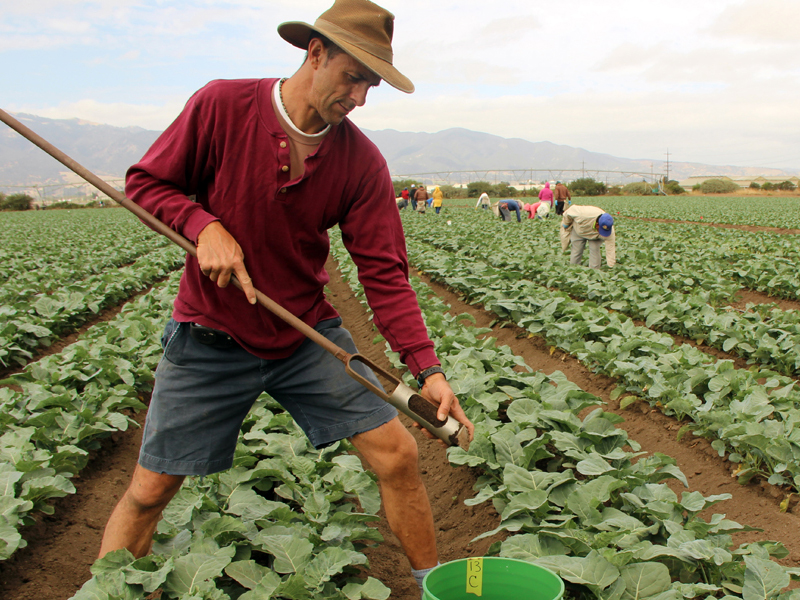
[298,33]
[603,233]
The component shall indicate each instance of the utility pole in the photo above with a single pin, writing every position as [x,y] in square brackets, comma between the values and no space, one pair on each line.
[667,164]
[583,169]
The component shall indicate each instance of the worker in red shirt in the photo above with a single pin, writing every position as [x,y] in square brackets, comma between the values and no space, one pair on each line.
[250,152]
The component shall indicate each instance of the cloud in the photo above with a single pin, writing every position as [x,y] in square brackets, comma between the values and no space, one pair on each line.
[760,21]
[623,77]
[509,30]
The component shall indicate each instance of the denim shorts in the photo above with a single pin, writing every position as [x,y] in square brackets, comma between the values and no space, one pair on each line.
[203,393]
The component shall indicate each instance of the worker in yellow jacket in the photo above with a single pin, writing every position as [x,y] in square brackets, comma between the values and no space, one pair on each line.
[588,224]
[438,197]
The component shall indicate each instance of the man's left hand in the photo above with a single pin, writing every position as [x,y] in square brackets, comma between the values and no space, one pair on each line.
[437,390]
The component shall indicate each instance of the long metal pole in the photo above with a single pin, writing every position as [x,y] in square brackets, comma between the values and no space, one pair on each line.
[161,228]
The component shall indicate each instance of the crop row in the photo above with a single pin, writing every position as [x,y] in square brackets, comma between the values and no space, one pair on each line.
[41,251]
[765,211]
[577,496]
[759,261]
[59,408]
[708,256]
[766,335]
[682,255]
[36,322]
[752,421]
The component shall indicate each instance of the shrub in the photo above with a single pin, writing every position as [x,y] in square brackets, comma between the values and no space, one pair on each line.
[504,190]
[754,186]
[615,190]
[718,186]
[16,202]
[586,186]
[451,191]
[65,204]
[787,186]
[476,188]
[637,188]
[499,190]
[674,188]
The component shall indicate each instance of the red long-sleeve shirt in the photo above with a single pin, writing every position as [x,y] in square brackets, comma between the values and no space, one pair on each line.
[228,149]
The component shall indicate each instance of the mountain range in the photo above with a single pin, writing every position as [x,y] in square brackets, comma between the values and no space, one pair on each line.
[109,151]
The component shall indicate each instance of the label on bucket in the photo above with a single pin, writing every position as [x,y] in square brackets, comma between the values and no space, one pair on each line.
[475,576]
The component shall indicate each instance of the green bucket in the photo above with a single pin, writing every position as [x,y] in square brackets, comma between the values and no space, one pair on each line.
[491,578]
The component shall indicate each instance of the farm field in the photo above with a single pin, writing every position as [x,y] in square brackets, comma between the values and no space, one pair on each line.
[569,374]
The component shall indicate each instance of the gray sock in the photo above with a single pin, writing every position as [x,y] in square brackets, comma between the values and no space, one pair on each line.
[419,575]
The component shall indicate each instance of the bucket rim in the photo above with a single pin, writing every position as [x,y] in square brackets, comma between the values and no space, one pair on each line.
[495,558]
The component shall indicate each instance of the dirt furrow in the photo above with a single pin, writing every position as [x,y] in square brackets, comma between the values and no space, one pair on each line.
[447,486]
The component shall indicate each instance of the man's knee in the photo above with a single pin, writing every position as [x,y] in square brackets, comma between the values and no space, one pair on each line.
[151,491]
[391,452]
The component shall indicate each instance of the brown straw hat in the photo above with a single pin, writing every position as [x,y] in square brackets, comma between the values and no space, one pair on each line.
[360,28]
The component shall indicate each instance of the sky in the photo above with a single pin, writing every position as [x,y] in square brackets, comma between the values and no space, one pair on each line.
[710,81]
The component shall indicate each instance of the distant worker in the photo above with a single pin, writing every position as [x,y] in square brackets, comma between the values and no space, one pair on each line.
[438,198]
[582,224]
[421,196]
[402,199]
[561,195]
[510,205]
[540,210]
[484,201]
[546,195]
[530,209]
[412,199]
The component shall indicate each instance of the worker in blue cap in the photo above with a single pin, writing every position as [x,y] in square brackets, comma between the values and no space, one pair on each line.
[588,224]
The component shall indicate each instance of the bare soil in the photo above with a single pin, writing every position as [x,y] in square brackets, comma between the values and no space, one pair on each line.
[62,548]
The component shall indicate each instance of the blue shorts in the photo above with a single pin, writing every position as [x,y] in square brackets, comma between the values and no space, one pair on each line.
[203,393]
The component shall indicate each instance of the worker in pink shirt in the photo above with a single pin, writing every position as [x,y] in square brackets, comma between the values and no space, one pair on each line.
[546,195]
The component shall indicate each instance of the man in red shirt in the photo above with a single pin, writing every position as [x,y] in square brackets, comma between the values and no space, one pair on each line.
[250,152]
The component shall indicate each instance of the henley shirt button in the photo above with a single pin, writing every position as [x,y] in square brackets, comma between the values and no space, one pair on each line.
[284,168]
[283,190]
[283,144]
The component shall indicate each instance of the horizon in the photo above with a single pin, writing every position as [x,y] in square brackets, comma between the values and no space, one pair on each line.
[712,83]
[656,162]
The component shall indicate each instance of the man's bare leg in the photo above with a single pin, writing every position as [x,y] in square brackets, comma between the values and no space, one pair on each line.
[134,519]
[392,453]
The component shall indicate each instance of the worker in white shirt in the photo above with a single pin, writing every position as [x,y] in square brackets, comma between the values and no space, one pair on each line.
[588,224]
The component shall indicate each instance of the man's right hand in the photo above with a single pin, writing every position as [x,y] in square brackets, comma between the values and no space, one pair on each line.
[220,256]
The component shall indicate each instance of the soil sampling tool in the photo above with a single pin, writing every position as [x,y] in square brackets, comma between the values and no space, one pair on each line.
[402,397]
